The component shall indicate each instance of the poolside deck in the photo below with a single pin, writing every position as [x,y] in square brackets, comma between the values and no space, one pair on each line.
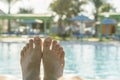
[88,41]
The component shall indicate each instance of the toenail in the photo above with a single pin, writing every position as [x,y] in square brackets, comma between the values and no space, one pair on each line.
[36,38]
[54,42]
[47,40]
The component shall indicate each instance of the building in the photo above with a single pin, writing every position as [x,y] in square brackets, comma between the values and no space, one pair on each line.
[113,28]
[45,18]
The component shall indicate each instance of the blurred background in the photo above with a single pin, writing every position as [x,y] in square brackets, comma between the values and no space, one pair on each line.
[59,18]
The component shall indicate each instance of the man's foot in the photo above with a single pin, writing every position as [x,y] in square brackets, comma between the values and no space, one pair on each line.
[53,59]
[30,59]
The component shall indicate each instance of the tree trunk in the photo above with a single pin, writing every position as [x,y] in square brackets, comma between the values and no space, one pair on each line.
[60,22]
[96,25]
[60,27]
[9,26]
[9,22]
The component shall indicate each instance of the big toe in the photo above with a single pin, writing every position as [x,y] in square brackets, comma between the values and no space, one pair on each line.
[38,42]
[47,44]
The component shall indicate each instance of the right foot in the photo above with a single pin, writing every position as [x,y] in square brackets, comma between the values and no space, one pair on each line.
[30,60]
[53,59]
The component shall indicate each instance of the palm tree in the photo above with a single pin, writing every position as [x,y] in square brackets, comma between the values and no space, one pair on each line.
[106,8]
[25,11]
[66,9]
[98,4]
[9,3]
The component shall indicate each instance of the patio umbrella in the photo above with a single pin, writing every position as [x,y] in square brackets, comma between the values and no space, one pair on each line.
[81,18]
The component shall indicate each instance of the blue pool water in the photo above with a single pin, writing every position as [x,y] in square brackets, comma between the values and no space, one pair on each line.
[90,60]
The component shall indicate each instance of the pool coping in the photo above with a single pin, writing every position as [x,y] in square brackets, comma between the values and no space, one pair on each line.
[26,39]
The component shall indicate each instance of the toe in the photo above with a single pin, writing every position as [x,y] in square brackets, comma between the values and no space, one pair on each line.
[47,44]
[62,55]
[54,43]
[62,61]
[30,44]
[37,42]
[22,53]
[55,48]
[25,50]
[27,46]
[60,50]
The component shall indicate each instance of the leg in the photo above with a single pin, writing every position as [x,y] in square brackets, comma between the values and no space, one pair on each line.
[30,60]
[53,60]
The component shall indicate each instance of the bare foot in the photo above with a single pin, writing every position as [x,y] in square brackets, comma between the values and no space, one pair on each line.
[30,59]
[53,59]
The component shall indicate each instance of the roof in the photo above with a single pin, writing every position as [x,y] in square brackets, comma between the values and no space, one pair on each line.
[27,16]
[109,13]
[108,21]
[30,21]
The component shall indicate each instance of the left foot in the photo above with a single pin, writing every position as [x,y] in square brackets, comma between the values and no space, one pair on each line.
[30,59]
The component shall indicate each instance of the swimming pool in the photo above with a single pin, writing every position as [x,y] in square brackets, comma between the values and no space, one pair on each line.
[90,60]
